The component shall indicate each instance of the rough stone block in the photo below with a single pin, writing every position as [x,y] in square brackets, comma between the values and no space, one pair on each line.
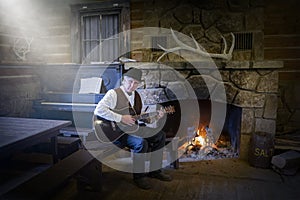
[247,120]
[270,111]
[268,83]
[265,125]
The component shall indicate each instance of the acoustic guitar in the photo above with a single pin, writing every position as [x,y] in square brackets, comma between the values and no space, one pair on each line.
[110,131]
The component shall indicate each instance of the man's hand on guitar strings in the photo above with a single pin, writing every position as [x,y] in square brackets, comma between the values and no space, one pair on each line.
[128,120]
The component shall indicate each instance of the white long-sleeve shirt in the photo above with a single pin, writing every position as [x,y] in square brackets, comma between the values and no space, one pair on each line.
[108,102]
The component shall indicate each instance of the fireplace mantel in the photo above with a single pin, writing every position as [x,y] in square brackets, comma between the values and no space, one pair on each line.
[209,64]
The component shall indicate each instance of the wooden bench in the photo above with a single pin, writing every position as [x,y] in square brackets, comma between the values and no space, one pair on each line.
[49,181]
[65,146]
[83,133]
[104,150]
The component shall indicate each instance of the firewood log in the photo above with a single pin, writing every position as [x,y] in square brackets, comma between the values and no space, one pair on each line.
[287,162]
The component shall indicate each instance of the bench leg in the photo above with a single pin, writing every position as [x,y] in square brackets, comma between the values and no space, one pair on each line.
[174,156]
[90,177]
[173,153]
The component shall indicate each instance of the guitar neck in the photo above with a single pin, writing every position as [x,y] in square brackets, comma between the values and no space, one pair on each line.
[167,110]
[145,115]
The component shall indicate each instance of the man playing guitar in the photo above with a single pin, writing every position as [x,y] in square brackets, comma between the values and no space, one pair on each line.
[120,106]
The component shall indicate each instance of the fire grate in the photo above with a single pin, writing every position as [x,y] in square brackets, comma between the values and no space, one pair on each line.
[201,146]
[227,145]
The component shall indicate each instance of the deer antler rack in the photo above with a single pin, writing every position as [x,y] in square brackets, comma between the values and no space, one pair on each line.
[22,46]
[198,49]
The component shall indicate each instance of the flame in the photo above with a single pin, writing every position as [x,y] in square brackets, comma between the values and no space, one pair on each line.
[200,138]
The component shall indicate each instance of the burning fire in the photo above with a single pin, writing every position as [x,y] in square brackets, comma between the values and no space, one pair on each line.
[202,139]
[201,145]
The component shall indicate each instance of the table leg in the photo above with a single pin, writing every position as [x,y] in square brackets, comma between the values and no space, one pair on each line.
[54,149]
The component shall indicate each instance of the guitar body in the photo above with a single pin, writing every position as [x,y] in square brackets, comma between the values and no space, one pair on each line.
[106,131]
[109,131]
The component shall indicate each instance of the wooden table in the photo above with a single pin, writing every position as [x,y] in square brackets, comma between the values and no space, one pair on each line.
[18,133]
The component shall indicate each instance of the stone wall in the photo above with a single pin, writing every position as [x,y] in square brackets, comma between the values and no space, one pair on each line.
[206,20]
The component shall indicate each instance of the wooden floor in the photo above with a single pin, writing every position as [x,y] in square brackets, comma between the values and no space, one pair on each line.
[217,179]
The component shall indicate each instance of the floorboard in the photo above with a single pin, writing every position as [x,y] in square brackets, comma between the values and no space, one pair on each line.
[217,179]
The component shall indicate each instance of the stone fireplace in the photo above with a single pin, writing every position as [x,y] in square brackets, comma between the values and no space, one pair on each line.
[250,85]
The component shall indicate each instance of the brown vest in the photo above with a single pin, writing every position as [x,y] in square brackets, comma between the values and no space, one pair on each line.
[123,103]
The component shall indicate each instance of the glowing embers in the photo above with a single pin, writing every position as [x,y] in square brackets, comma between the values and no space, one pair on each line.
[201,146]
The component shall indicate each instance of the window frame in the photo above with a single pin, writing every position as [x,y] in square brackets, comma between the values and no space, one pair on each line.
[122,7]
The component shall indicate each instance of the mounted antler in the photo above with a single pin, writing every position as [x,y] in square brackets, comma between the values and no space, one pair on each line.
[198,49]
[21,47]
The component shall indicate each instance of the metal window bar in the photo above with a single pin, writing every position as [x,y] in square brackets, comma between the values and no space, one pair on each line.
[243,41]
[90,37]
[109,31]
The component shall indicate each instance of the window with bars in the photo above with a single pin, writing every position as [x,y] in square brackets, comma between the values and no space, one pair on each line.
[99,37]
[95,31]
